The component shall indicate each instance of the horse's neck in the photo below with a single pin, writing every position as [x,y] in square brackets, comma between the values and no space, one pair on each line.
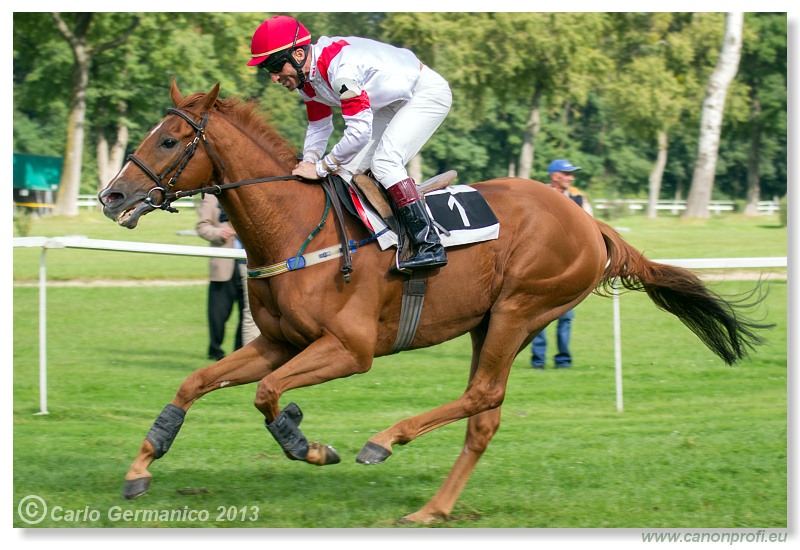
[271,219]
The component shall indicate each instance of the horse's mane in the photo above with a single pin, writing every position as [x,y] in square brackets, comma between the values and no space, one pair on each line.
[248,116]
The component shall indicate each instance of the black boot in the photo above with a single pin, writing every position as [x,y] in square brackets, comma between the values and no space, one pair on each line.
[428,252]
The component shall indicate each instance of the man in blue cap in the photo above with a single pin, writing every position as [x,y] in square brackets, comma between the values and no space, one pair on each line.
[561,179]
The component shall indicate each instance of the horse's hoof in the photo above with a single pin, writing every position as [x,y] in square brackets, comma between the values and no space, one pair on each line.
[372,453]
[422,518]
[321,454]
[136,487]
[331,456]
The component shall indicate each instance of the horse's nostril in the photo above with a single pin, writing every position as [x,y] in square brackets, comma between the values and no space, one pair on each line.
[110,198]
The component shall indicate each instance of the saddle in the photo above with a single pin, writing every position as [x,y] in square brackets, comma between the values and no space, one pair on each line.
[377,196]
[459,213]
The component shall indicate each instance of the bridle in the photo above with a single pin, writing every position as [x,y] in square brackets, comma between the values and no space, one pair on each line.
[168,197]
[180,163]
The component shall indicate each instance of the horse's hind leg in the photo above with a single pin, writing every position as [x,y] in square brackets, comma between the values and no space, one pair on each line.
[246,365]
[488,375]
[491,363]
[480,430]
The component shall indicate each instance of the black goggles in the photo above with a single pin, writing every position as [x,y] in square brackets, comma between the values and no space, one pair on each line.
[274,63]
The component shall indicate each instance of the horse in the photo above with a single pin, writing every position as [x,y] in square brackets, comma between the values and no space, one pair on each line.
[320,323]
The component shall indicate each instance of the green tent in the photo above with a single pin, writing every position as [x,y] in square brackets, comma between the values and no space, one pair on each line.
[37,172]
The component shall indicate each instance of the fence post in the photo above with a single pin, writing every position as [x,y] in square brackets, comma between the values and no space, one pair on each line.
[43,332]
[617,343]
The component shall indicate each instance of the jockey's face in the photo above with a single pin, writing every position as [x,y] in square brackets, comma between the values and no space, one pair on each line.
[288,76]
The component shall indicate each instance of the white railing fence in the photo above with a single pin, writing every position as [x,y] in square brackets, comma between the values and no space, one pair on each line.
[90,202]
[629,206]
[632,206]
[46,243]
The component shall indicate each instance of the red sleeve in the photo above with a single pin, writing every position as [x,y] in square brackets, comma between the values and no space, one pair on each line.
[317,111]
[355,105]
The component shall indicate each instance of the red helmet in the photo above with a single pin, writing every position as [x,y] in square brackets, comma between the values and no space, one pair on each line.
[273,35]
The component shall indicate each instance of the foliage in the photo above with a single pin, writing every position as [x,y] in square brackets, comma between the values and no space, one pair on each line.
[23,221]
[608,82]
[784,211]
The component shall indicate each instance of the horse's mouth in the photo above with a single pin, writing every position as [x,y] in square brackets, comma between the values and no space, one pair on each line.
[125,217]
[130,218]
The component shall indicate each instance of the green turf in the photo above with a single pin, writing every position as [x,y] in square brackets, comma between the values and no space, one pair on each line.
[699,444]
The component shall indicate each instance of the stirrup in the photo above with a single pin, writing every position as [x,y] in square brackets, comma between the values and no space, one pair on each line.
[437,258]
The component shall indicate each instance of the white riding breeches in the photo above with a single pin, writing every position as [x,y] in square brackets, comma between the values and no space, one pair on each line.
[401,129]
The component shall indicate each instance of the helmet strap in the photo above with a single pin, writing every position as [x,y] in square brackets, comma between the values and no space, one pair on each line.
[298,65]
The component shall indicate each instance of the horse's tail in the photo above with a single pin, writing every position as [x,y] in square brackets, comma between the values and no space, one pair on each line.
[717,321]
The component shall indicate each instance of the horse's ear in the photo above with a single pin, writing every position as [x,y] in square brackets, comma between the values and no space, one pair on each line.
[211,97]
[175,94]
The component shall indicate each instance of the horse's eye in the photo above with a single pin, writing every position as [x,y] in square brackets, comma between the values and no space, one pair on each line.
[169,143]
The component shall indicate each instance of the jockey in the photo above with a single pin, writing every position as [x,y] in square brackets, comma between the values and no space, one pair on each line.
[391,104]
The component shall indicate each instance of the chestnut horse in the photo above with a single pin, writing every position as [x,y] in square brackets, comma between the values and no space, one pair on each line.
[316,327]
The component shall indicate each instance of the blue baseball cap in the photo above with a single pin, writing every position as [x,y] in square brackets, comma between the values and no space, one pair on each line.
[561,165]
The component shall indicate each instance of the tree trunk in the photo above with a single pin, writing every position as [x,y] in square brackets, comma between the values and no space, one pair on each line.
[711,121]
[103,159]
[69,187]
[66,201]
[526,154]
[753,178]
[118,152]
[110,159]
[656,175]
[78,38]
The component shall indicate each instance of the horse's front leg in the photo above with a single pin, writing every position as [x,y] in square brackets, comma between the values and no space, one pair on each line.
[244,366]
[325,359]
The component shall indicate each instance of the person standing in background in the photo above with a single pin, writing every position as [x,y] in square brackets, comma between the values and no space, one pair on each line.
[561,179]
[227,280]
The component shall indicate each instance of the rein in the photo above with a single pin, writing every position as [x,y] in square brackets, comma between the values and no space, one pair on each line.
[298,261]
[167,197]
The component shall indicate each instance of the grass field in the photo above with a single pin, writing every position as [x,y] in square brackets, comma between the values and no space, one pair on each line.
[698,445]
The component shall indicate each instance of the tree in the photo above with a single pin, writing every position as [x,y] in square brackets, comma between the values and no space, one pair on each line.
[609,84]
[711,122]
[204,48]
[646,93]
[557,61]
[78,37]
[40,81]
[756,136]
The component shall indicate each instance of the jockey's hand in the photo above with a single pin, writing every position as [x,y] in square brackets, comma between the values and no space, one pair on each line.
[306,170]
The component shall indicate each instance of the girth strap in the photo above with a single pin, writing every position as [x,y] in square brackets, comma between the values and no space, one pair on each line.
[414,289]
